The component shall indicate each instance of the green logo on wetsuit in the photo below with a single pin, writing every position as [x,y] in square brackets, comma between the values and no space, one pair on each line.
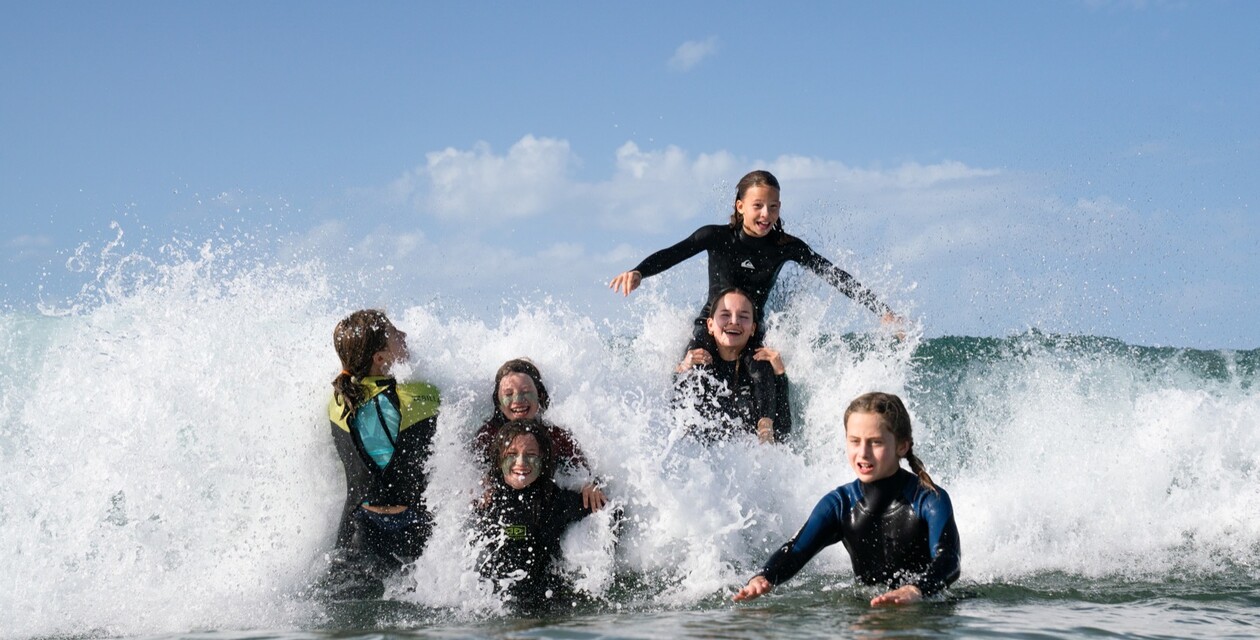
[515,531]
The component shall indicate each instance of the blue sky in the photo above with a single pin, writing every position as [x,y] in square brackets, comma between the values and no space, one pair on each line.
[1084,167]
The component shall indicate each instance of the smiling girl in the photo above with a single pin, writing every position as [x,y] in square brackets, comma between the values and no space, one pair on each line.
[748,253]
[523,516]
[742,388]
[897,526]
[519,394]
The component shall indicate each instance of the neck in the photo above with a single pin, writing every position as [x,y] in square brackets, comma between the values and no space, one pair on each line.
[729,354]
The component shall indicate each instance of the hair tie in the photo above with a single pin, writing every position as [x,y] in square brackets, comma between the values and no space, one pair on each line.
[346,373]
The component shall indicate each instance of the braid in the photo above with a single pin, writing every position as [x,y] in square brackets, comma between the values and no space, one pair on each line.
[916,465]
[357,338]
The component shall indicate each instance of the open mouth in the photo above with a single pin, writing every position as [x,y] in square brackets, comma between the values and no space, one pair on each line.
[864,467]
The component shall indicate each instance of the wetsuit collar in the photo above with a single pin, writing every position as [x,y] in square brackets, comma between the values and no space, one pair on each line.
[373,385]
[754,241]
[879,494]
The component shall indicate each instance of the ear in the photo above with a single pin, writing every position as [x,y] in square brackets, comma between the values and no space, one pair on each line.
[380,364]
[903,447]
[708,322]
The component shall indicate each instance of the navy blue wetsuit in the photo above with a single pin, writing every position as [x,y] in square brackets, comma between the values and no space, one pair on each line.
[737,259]
[897,533]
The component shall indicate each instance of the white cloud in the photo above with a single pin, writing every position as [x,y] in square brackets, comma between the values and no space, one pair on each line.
[508,225]
[478,186]
[691,53]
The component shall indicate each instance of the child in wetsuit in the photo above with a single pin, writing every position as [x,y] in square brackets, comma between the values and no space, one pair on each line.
[748,253]
[519,394]
[897,526]
[522,517]
[383,431]
[740,389]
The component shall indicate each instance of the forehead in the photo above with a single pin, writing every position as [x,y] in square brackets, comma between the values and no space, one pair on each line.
[524,442]
[761,192]
[866,425]
[517,381]
[733,302]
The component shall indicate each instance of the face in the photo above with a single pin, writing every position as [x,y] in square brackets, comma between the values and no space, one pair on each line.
[760,210]
[873,451]
[518,397]
[395,351]
[732,323]
[521,462]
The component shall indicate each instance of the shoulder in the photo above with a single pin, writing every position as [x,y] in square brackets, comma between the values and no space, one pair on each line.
[791,243]
[842,498]
[338,412]
[932,503]
[712,232]
[418,401]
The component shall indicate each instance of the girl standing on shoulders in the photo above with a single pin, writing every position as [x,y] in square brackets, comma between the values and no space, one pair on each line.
[748,253]
[897,526]
[383,430]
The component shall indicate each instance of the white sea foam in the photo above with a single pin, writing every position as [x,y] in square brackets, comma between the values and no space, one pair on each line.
[166,465]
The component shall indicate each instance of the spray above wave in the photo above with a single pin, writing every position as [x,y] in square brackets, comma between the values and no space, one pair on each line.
[166,464]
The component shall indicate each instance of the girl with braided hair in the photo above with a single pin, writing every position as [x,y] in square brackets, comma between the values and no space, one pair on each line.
[897,526]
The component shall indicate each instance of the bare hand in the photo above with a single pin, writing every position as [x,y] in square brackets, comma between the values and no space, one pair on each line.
[895,321]
[694,357]
[765,431]
[904,595]
[593,498]
[755,588]
[772,356]
[626,282]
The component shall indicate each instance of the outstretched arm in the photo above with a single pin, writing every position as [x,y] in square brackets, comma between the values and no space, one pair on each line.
[845,283]
[661,260]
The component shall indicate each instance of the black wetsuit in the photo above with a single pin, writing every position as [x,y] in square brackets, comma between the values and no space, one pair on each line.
[522,530]
[410,412]
[897,532]
[730,397]
[751,264]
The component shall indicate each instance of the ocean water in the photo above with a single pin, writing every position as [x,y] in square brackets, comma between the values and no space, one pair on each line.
[166,470]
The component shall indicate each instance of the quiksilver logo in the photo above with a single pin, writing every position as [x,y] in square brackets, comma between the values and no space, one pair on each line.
[747,264]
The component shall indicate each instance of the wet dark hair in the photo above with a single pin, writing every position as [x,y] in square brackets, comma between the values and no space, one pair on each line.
[357,338]
[893,417]
[531,427]
[758,178]
[519,365]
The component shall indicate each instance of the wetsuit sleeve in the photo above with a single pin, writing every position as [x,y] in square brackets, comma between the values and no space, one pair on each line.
[938,512]
[765,388]
[838,278]
[569,508]
[783,408]
[565,449]
[670,256]
[821,530]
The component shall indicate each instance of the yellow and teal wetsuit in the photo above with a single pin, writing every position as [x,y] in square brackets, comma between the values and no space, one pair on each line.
[383,448]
